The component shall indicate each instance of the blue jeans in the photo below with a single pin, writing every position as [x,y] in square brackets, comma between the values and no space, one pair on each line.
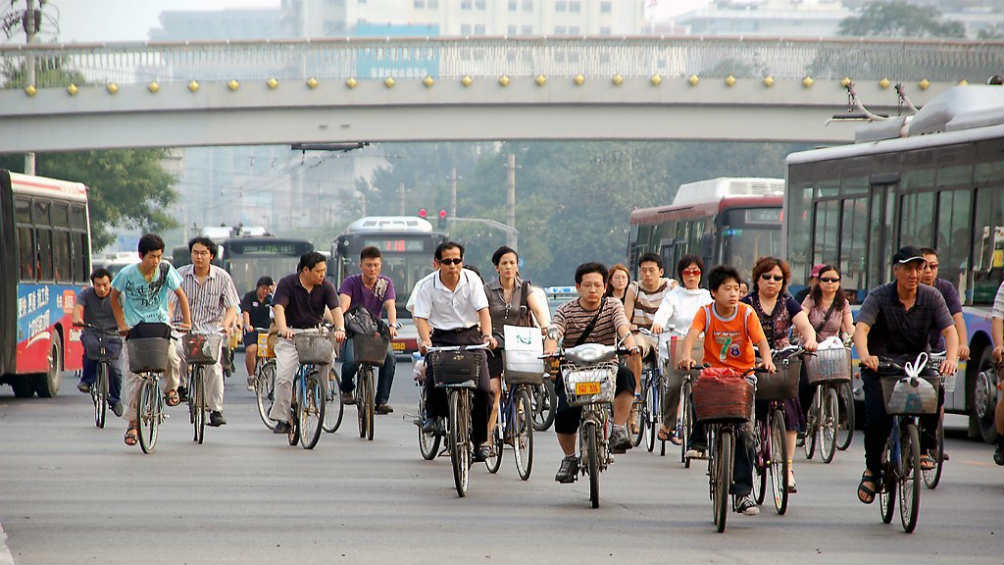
[386,373]
[90,376]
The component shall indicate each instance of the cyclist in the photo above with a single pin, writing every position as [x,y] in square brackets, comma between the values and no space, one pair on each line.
[643,299]
[94,308]
[731,329]
[450,308]
[256,308]
[829,312]
[997,331]
[512,301]
[139,294]
[372,291]
[593,318]
[896,320]
[213,299]
[677,310]
[620,279]
[301,301]
[810,284]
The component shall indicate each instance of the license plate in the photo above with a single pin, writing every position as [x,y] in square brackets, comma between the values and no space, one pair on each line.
[397,345]
[587,388]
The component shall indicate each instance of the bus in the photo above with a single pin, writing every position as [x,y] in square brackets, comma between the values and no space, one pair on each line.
[408,246]
[724,221]
[249,258]
[45,253]
[935,179]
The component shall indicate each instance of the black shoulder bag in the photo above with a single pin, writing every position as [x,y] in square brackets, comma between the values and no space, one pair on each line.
[592,324]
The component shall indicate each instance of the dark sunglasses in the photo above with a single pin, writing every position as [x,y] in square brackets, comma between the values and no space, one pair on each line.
[829,280]
[451,261]
[768,277]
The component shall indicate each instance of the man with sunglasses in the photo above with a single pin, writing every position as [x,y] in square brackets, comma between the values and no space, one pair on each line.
[450,307]
[929,276]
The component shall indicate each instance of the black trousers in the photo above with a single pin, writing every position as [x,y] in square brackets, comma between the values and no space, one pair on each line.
[483,397]
[878,424]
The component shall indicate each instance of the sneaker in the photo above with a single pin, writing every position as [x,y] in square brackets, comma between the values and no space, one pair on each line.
[430,426]
[747,507]
[482,453]
[347,398]
[383,409]
[695,453]
[216,418]
[118,409]
[619,440]
[569,470]
[281,428]
[183,394]
[84,387]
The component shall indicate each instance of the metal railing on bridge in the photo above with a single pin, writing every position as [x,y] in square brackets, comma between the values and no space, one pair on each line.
[487,57]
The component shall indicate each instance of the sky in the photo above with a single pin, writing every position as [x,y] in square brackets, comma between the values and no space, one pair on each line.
[131,20]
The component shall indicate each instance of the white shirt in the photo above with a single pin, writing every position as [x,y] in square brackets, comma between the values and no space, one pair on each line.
[447,309]
[679,306]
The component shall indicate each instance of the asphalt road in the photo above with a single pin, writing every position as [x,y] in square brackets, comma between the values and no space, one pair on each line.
[71,493]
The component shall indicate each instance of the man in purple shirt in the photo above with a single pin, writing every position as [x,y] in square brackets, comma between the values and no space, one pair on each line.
[374,292]
[929,276]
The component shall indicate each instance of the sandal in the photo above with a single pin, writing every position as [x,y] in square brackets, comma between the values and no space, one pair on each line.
[172,398]
[927,462]
[131,435]
[665,434]
[868,492]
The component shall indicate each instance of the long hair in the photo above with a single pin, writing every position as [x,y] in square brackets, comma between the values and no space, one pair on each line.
[610,275]
[839,300]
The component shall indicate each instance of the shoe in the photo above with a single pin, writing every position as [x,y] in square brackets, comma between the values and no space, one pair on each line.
[182,394]
[84,387]
[216,418]
[383,409]
[792,487]
[430,426]
[695,453]
[944,456]
[619,440]
[347,398]
[569,470]
[747,507]
[281,428]
[118,409]
[999,455]
[800,439]
[482,453]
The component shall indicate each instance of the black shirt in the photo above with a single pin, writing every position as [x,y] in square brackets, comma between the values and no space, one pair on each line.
[304,310]
[258,310]
[897,331]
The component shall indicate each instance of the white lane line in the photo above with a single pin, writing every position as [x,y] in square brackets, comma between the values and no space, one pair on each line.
[5,556]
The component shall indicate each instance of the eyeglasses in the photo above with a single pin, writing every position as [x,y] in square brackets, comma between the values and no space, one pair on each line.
[694,271]
[930,267]
[451,261]
[829,280]
[768,277]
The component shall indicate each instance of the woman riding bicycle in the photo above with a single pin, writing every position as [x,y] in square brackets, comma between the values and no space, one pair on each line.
[677,311]
[778,313]
[620,279]
[829,313]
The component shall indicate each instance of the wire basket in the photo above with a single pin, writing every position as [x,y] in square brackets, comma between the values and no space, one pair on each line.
[202,348]
[589,385]
[313,347]
[782,384]
[913,396]
[720,395]
[101,347]
[371,349]
[148,354]
[829,365]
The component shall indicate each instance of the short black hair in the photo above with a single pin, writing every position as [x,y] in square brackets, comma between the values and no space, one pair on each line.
[586,268]
[309,260]
[150,242]
[501,252]
[686,261]
[208,243]
[448,245]
[101,272]
[721,275]
[264,281]
[369,252]
[928,251]
[650,258]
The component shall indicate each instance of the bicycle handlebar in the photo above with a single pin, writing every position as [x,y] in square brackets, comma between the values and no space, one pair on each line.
[434,348]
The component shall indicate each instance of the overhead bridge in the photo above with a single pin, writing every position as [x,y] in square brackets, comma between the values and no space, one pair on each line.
[88,96]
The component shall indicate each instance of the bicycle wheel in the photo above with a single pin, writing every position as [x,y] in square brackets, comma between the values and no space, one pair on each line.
[364,402]
[725,446]
[779,462]
[933,476]
[545,401]
[652,419]
[264,388]
[909,479]
[522,433]
[494,461]
[99,394]
[334,409]
[812,423]
[638,415]
[147,415]
[428,443]
[591,443]
[311,412]
[294,410]
[761,464]
[828,415]
[197,394]
[845,431]
[887,484]
[688,423]
[460,451]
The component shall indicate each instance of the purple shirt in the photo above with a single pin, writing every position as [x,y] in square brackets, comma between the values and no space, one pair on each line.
[951,297]
[372,300]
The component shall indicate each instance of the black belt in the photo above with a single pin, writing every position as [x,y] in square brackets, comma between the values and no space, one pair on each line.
[437,331]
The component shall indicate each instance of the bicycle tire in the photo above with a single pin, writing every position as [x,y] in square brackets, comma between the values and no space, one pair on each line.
[828,417]
[99,394]
[264,387]
[311,412]
[725,446]
[294,415]
[812,423]
[909,480]
[592,445]
[761,464]
[845,432]
[522,433]
[887,490]
[779,466]
[147,417]
[428,443]
[198,394]
[933,476]
[369,400]
[545,403]
[688,424]
[652,416]
[333,414]
[460,453]
[494,461]
[638,414]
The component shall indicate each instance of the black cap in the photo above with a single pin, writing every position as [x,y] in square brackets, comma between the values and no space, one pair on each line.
[265,281]
[907,254]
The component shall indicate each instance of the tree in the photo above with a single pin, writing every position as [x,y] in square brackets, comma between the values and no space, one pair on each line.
[899,19]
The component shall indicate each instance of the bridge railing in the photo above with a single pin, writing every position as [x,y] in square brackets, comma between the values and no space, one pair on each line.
[487,57]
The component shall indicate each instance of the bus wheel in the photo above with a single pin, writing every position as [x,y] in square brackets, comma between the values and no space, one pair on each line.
[22,385]
[47,384]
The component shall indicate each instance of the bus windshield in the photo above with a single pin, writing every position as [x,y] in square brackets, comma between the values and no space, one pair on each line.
[741,247]
[247,269]
[404,270]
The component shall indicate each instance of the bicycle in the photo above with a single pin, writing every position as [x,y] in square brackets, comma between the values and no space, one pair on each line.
[313,348]
[770,455]
[827,371]
[104,356]
[545,401]
[684,423]
[264,378]
[645,412]
[933,476]
[148,359]
[202,349]
[428,442]
[514,425]
[369,352]
[334,409]
[845,427]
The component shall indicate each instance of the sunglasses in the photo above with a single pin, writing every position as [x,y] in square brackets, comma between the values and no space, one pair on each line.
[768,277]
[694,271]
[451,261]
[829,280]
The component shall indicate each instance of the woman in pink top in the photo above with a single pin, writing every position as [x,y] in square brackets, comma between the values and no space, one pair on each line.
[827,308]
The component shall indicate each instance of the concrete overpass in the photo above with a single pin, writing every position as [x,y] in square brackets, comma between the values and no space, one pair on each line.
[277,92]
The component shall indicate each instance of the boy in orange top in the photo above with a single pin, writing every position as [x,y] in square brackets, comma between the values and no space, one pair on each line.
[730,330]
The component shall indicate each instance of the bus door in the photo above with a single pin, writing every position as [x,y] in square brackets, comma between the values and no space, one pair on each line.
[882,209]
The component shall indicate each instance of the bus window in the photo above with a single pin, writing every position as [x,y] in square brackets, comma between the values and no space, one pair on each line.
[60,215]
[78,219]
[78,254]
[953,238]
[61,256]
[26,254]
[22,207]
[988,244]
[917,220]
[43,261]
[40,213]
[827,232]
[798,215]
[852,243]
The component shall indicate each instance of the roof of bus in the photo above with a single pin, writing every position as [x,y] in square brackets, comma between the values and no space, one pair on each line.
[43,186]
[659,214]
[392,224]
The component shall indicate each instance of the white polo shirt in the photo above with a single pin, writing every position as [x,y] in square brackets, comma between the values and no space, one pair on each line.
[447,309]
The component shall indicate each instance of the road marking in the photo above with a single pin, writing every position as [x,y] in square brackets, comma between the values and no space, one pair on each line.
[5,556]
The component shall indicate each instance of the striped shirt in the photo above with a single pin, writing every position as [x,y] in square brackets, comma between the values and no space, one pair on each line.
[571,319]
[998,310]
[208,300]
[647,303]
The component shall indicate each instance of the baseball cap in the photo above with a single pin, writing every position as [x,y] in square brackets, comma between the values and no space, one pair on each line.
[816,269]
[907,254]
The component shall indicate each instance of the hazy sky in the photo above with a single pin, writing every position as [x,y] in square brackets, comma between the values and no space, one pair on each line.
[131,20]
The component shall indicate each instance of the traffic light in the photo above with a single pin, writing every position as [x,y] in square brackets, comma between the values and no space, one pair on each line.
[422,213]
[442,219]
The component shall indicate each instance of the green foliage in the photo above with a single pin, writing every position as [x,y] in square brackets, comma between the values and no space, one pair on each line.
[899,19]
[990,33]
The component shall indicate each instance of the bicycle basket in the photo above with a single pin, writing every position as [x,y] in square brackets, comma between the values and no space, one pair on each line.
[370,349]
[589,385]
[829,365]
[451,368]
[781,385]
[905,395]
[313,347]
[722,395]
[148,354]
[202,348]
[266,345]
[523,367]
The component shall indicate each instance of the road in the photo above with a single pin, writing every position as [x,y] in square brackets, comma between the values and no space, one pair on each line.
[71,493]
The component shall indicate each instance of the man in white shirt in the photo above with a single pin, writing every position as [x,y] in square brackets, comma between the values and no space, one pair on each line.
[450,308]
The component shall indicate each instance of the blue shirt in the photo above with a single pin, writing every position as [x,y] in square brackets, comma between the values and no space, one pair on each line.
[142,300]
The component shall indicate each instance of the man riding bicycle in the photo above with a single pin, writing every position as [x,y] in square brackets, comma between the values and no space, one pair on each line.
[374,292]
[94,310]
[642,302]
[301,301]
[593,318]
[896,320]
[256,312]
